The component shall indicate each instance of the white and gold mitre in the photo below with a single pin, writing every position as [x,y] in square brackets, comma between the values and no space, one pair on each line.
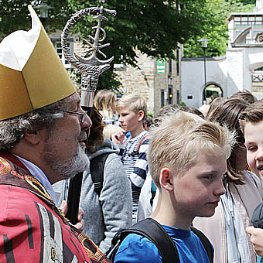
[31,73]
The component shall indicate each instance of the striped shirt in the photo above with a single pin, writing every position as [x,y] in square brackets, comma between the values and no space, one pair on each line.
[135,164]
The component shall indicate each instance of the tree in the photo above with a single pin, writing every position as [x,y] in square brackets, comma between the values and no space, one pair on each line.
[153,27]
[216,15]
[248,2]
[14,15]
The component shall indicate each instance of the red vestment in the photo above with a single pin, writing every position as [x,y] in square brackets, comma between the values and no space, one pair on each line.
[32,229]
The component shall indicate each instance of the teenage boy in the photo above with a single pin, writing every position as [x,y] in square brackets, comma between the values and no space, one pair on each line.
[132,110]
[187,158]
[252,126]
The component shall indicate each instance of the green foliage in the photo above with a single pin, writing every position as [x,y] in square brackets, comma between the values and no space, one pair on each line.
[216,15]
[109,80]
[152,26]
[182,104]
[248,2]
[14,15]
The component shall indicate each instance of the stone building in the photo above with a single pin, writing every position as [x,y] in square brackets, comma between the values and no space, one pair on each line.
[194,80]
[241,68]
[156,80]
[138,80]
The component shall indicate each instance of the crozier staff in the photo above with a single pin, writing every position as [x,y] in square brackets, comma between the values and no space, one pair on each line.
[90,68]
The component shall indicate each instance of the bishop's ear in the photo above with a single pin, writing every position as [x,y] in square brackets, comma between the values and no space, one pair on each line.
[166,179]
[32,137]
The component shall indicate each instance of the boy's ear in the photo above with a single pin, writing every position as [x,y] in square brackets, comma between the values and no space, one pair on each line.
[140,115]
[166,179]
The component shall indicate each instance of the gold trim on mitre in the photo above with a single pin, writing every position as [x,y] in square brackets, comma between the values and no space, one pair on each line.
[31,73]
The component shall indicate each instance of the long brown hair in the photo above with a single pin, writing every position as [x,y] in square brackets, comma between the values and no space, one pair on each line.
[95,138]
[228,114]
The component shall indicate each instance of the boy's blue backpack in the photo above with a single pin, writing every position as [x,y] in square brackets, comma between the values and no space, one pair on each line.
[152,230]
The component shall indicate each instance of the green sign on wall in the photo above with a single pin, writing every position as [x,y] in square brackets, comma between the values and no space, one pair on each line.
[160,66]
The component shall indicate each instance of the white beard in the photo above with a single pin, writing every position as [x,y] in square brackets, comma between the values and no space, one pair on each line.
[78,164]
[70,168]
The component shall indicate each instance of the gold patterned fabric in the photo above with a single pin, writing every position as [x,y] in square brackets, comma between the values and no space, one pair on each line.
[12,173]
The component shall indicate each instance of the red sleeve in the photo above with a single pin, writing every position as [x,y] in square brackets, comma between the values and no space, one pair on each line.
[30,231]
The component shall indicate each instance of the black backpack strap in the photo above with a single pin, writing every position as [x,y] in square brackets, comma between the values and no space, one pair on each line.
[152,230]
[97,171]
[206,243]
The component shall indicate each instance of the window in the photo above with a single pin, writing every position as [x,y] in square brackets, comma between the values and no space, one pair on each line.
[162,98]
[170,69]
[257,75]
[177,61]
[170,94]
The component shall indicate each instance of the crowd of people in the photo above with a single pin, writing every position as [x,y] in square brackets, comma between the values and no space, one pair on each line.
[197,176]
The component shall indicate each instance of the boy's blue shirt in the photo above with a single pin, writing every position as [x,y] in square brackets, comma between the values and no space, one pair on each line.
[136,248]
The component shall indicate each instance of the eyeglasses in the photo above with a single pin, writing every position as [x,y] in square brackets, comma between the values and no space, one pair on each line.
[79,114]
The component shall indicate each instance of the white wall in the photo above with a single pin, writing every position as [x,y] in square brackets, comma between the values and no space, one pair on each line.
[192,78]
[232,73]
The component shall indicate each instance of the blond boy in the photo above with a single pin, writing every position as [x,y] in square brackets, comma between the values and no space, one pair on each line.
[132,110]
[187,159]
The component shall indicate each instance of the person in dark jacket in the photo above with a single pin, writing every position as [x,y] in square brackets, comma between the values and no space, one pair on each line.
[111,210]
